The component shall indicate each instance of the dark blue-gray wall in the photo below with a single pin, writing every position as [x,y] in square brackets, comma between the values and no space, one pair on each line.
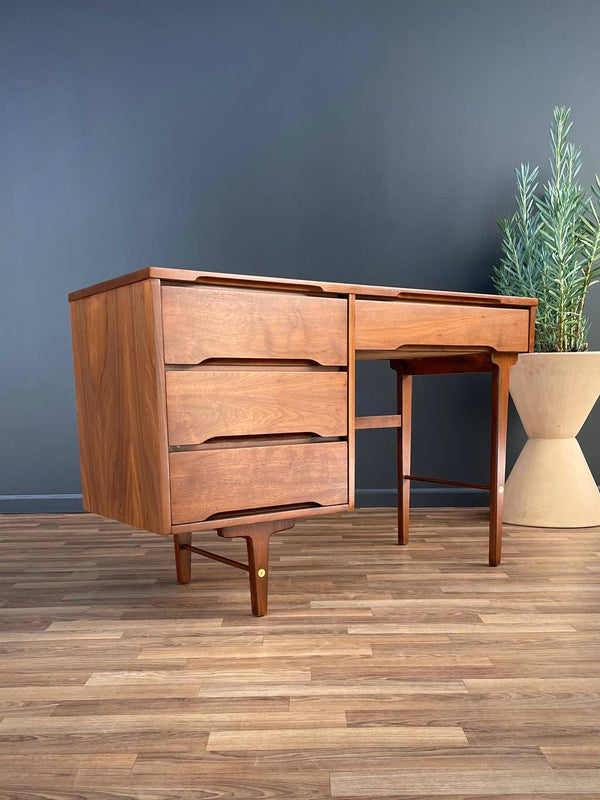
[367,141]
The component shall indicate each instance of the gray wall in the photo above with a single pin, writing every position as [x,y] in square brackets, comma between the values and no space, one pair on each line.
[352,140]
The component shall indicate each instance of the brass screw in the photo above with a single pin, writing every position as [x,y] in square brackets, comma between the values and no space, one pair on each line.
[261,573]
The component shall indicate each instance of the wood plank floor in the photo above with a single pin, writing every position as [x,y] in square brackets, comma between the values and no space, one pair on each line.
[381,671]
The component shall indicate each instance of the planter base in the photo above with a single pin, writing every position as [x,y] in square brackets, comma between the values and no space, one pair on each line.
[551,486]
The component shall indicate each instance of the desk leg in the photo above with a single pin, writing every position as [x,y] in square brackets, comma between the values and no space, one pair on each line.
[183,558]
[257,541]
[404,404]
[501,364]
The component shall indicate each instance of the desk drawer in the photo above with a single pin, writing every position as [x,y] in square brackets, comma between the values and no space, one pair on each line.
[388,325]
[202,322]
[208,482]
[205,403]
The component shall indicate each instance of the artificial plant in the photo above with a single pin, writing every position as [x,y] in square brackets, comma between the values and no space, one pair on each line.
[551,244]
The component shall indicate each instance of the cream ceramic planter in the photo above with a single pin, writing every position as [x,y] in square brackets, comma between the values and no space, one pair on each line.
[551,484]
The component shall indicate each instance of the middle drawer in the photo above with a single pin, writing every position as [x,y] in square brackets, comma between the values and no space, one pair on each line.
[203,404]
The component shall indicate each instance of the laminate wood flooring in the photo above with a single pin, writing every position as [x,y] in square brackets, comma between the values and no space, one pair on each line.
[380,671]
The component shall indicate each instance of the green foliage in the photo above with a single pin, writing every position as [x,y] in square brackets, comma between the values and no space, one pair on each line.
[551,244]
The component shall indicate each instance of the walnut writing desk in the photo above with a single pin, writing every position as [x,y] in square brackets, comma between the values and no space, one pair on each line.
[226,402]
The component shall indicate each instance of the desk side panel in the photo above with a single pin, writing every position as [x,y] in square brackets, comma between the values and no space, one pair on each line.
[121,410]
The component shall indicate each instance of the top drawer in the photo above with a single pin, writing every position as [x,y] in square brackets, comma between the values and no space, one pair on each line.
[202,322]
[389,325]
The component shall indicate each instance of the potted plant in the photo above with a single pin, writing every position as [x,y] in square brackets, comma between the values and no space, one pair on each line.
[551,250]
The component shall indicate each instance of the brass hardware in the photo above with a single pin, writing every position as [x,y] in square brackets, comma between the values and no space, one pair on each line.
[501,490]
[261,573]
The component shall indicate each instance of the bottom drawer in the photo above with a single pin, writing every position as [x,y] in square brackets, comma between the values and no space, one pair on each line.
[207,482]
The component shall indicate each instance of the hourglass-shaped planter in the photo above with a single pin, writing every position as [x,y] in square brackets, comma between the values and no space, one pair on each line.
[551,484]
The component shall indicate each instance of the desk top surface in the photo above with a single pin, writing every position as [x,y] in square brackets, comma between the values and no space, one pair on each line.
[200,277]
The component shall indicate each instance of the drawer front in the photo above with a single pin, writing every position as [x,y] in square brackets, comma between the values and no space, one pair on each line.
[202,322]
[389,325]
[207,482]
[203,404]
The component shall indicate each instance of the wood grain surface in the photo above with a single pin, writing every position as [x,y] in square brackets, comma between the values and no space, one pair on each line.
[207,482]
[202,322]
[121,412]
[379,421]
[203,404]
[382,325]
[380,671]
[201,277]
[351,403]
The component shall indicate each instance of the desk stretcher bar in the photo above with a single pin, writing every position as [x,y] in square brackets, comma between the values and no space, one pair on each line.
[385,421]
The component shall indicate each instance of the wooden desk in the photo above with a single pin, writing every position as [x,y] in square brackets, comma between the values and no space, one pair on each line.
[226,402]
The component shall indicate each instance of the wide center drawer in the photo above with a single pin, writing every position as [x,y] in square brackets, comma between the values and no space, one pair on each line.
[204,322]
[389,325]
[209,482]
[206,403]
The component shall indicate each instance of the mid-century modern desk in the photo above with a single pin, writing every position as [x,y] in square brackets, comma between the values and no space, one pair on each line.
[226,402]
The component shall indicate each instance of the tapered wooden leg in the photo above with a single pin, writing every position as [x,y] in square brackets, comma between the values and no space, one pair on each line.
[404,406]
[257,541]
[258,561]
[501,364]
[183,558]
